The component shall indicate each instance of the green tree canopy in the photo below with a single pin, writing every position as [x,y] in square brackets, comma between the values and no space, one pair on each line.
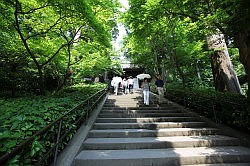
[52,36]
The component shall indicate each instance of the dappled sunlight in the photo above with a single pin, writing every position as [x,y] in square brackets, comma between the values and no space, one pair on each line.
[192,52]
[103,154]
[157,133]
[121,101]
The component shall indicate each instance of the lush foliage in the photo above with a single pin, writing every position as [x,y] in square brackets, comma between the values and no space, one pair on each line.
[170,37]
[45,46]
[23,117]
[43,42]
[224,108]
[50,44]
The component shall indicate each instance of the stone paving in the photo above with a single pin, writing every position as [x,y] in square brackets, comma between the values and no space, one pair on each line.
[124,132]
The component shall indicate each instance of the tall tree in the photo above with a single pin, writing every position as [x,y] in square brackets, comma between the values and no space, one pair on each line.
[239,26]
[222,66]
[204,13]
[44,27]
[214,14]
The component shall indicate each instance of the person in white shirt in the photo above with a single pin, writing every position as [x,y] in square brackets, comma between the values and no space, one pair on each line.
[130,84]
[145,90]
[115,84]
[125,86]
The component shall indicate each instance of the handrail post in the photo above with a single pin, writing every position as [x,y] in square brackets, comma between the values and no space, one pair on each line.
[87,112]
[57,141]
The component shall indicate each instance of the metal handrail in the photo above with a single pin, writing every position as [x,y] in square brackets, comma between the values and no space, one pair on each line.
[22,146]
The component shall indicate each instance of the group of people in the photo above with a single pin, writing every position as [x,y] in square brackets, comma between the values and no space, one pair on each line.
[126,84]
[146,89]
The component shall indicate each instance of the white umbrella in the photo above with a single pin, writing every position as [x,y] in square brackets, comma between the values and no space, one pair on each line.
[118,79]
[142,76]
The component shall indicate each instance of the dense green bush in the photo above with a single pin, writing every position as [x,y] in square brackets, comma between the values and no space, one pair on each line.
[22,117]
[226,108]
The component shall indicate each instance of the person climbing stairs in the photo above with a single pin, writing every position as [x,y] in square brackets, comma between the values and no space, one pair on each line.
[126,133]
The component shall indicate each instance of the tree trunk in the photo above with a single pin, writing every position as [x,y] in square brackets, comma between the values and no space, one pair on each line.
[156,63]
[41,81]
[225,78]
[243,42]
[197,70]
[164,72]
[177,66]
[13,90]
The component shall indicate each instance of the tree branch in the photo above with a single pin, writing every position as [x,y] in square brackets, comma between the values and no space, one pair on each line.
[46,31]
[33,10]
[52,57]
[17,26]
[62,46]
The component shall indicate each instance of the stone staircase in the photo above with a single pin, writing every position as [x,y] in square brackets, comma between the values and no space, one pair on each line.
[126,133]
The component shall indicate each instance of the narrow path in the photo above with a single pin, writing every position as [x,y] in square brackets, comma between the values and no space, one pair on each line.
[126,133]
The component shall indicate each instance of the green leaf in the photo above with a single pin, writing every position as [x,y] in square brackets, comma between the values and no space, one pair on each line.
[36,146]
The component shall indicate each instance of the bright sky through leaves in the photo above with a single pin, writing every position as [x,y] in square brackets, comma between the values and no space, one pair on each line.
[117,44]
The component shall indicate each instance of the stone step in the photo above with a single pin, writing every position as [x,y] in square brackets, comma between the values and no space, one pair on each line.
[221,164]
[131,104]
[126,133]
[125,111]
[141,115]
[156,125]
[112,101]
[158,142]
[141,120]
[125,98]
[140,108]
[122,100]
[138,100]
[162,157]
